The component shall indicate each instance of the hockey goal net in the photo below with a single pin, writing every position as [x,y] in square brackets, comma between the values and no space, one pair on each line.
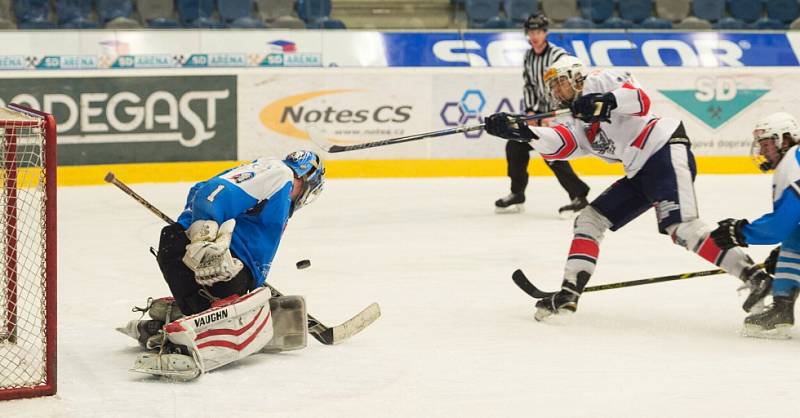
[27,253]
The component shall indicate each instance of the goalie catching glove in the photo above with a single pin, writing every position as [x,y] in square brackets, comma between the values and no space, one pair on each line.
[208,255]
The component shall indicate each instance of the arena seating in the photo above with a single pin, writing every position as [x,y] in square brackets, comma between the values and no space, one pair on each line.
[238,14]
[75,14]
[158,14]
[400,14]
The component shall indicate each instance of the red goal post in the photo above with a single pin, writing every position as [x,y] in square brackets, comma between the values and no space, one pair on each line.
[27,253]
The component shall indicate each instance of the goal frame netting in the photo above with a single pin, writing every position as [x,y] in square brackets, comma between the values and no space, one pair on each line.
[16,118]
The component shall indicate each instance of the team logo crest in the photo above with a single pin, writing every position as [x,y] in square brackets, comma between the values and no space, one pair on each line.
[242,177]
[602,145]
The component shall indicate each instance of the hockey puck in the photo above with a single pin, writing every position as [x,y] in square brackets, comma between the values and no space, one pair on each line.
[303,264]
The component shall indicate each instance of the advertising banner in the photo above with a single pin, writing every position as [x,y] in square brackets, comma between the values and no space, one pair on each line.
[107,120]
[606,49]
[171,49]
[345,106]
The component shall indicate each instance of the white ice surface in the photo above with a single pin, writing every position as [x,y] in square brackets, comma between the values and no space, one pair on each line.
[457,338]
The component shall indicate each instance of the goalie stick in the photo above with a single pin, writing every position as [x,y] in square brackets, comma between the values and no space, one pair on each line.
[523,283]
[334,148]
[322,333]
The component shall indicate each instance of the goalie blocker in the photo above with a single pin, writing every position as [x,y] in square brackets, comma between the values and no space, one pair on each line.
[232,329]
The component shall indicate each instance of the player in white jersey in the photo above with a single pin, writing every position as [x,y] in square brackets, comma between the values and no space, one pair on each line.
[612,120]
[775,140]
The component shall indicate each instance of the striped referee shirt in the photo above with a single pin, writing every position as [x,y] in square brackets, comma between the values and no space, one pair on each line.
[536,98]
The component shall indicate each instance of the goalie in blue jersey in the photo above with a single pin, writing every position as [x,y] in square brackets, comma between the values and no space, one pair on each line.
[215,260]
[774,148]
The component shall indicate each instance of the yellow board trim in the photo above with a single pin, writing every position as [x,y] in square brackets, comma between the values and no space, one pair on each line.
[195,171]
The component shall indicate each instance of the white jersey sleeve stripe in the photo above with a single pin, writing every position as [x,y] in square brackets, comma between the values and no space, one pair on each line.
[569,144]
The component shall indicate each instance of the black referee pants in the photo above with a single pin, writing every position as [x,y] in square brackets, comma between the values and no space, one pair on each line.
[518,155]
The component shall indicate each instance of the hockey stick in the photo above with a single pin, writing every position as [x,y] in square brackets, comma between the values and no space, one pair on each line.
[332,148]
[523,283]
[324,334]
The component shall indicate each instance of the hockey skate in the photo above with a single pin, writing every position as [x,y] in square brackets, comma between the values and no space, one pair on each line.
[513,203]
[759,283]
[146,332]
[572,209]
[774,322]
[563,302]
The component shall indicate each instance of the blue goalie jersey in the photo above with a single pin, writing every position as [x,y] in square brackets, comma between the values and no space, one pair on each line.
[257,195]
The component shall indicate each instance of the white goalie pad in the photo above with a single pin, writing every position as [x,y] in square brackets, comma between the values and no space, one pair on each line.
[231,330]
[290,324]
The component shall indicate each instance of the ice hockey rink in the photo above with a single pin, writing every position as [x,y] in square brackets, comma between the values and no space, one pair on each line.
[456,339]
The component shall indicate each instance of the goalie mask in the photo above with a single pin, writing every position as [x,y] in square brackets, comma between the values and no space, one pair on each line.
[564,80]
[308,167]
[772,137]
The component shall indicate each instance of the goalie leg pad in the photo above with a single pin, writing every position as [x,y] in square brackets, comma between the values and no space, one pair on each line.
[231,330]
[174,366]
[290,324]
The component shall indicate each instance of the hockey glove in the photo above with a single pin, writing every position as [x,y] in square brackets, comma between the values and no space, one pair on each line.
[729,233]
[594,107]
[509,127]
[772,260]
[208,254]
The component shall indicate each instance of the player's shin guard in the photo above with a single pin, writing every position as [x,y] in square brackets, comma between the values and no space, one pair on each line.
[232,329]
[695,236]
[590,226]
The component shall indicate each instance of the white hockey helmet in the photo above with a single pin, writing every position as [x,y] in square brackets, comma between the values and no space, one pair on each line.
[773,135]
[564,79]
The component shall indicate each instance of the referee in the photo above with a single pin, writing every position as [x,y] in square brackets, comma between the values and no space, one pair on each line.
[537,60]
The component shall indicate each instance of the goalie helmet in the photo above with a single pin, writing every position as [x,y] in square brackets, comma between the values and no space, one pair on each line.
[564,79]
[772,137]
[308,167]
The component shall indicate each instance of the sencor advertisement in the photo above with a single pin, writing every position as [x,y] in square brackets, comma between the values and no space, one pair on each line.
[135,119]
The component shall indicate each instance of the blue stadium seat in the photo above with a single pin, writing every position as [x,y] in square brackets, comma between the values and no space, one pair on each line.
[158,14]
[111,9]
[74,14]
[711,10]
[238,14]
[519,10]
[783,10]
[480,11]
[577,22]
[766,23]
[635,10]
[325,23]
[33,14]
[730,23]
[197,13]
[596,10]
[311,10]
[653,22]
[614,22]
[746,10]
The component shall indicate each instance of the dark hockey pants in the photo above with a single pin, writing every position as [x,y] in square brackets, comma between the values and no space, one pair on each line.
[180,278]
[518,155]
